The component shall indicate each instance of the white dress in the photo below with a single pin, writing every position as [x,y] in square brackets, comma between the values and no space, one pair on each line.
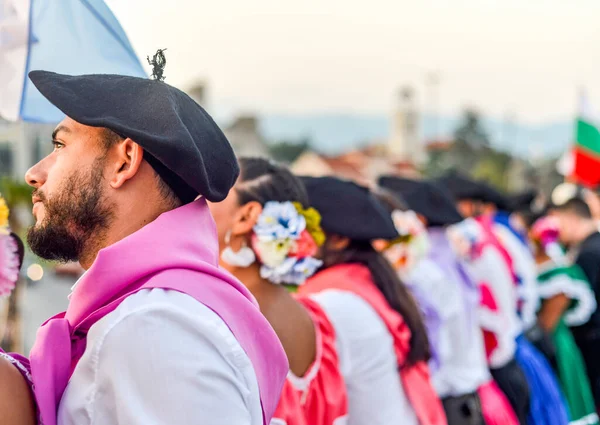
[491,269]
[367,361]
[462,363]
[526,269]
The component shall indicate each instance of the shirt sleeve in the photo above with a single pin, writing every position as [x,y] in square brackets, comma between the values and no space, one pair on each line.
[158,366]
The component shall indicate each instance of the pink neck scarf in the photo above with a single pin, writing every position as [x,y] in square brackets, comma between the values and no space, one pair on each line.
[178,251]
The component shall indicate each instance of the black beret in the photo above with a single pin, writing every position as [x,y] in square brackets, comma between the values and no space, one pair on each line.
[180,140]
[494,196]
[424,198]
[523,201]
[461,187]
[348,209]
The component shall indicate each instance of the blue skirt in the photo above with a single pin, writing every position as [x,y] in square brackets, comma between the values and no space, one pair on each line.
[547,403]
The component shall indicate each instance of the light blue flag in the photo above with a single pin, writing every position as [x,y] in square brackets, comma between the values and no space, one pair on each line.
[66,36]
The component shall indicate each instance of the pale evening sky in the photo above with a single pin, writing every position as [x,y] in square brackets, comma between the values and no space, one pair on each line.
[526,58]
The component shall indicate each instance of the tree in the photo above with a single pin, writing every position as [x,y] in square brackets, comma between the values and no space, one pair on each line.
[472,154]
[493,167]
[288,151]
[471,133]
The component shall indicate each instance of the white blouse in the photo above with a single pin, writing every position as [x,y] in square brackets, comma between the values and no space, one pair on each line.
[491,268]
[462,362]
[526,269]
[367,361]
[161,358]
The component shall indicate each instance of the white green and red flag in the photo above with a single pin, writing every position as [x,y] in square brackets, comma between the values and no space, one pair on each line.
[586,152]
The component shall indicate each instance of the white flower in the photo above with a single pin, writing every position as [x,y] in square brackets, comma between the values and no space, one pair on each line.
[464,237]
[278,221]
[273,253]
[276,274]
[302,270]
[292,271]
[407,223]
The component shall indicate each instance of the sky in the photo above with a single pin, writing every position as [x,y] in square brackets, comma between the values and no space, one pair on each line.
[523,60]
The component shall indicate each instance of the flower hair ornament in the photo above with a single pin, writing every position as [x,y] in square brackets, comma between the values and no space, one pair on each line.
[412,244]
[545,232]
[10,261]
[284,240]
[465,238]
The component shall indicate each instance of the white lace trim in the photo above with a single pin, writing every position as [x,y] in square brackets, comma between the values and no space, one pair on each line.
[19,366]
[574,289]
[590,419]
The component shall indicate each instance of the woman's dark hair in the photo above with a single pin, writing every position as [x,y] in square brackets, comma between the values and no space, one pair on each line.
[20,248]
[393,289]
[262,181]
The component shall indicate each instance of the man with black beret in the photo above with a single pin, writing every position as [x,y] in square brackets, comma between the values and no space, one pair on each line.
[155,332]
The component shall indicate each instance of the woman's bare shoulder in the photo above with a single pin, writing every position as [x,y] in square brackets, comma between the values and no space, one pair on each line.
[16,404]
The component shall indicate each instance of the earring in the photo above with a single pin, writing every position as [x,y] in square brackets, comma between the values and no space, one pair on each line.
[242,258]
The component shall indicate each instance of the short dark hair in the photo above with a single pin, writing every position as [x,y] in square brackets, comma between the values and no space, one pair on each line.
[111,138]
[576,206]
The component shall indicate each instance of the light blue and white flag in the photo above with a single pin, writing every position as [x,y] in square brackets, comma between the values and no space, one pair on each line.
[67,36]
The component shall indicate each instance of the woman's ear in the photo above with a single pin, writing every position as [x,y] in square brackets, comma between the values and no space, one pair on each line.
[245,218]
[337,242]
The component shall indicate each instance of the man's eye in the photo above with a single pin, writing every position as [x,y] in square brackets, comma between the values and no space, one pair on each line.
[57,145]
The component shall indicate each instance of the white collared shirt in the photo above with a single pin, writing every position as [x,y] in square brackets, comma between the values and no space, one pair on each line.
[161,358]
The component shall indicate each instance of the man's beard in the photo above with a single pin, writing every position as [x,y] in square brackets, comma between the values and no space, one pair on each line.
[76,218]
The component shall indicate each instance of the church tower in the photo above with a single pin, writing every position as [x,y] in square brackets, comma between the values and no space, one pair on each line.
[404,143]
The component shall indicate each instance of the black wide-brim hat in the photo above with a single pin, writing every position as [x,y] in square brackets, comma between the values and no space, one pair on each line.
[461,187]
[348,209]
[180,140]
[522,201]
[424,198]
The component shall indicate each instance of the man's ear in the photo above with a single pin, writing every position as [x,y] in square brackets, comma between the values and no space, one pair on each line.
[245,218]
[124,159]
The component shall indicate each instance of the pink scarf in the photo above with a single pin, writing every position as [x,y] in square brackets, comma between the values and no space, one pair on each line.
[178,251]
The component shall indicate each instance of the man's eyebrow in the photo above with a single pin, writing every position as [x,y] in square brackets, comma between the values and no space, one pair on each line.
[59,129]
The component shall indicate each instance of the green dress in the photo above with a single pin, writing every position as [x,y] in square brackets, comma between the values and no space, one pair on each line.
[571,281]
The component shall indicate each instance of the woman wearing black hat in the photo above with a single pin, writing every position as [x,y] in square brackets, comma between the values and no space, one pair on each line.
[378,326]
[268,236]
[462,379]
[516,357]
